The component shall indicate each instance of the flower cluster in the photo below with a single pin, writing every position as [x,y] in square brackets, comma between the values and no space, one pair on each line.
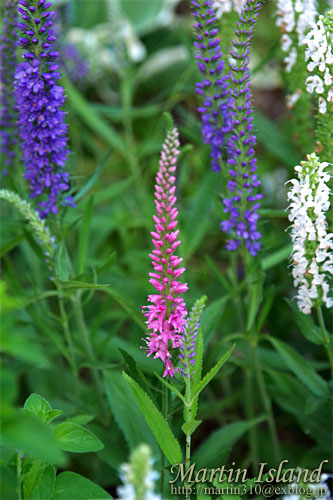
[188,349]
[138,476]
[243,205]
[214,85]
[166,314]
[7,72]
[224,6]
[312,245]
[42,232]
[319,55]
[39,100]
[294,18]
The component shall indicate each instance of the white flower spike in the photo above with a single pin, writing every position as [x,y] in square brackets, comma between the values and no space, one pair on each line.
[312,252]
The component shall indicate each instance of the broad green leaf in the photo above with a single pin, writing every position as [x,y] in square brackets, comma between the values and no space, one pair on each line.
[52,414]
[25,432]
[91,118]
[76,285]
[73,437]
[216,447]
[37,405]
[39,482]
[157,423]
[211,374]
[301,368]
[70,486]
[126,412]
[189,427]
[306,324]
[84,235]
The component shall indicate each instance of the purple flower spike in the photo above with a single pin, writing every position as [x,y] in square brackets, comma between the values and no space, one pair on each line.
[7,72]
[189,339]
[243,205]
[214,112]
[39,100]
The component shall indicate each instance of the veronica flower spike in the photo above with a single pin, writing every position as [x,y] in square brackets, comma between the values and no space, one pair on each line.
[312,254]
[167,311]
[7,72]
[242,206]
[214,85]
[39,100]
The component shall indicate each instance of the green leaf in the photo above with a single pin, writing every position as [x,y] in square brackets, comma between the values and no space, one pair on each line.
[197,370]
[255,293]
[62,263]
[306,324]
[52,414]
[211,374]
[126,413]
[216,448]
[84,235]
[157,423]
[275,258]
[93,179]
[91,118]
[189,427]
[171,387]
[76,285]
[301,368]
[37,405]
[212,315]
[73,437]
[39,482]
[25,432]
[69,486]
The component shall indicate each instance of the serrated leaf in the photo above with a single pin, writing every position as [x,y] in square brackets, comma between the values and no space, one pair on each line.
[197,370]
[70,485]
[301,368]
[157,423]
[73,437]
[126,413]
[211,374]
[189,427]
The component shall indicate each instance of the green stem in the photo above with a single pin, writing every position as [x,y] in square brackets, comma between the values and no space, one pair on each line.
[90,353]
[267,406]
[19,476]
[66,329]
[326,339]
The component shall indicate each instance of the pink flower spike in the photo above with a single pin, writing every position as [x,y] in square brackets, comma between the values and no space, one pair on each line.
[167,311]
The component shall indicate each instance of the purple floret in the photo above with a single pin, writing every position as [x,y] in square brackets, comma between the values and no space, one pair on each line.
[39,99]
[215,113]
[243,205]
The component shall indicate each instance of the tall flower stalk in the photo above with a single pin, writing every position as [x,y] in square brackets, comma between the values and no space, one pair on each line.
[39,100]
[312,255]
[167,311]
[214,85]
[7,73]
[242,206]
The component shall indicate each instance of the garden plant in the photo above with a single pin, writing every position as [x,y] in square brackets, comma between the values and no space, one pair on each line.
[166,249]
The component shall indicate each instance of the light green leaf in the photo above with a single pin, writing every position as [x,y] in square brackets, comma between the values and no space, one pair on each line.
[73,437]
[301,368]
[70,486]
[37,405]
[211,374]
[157,423]
[39,482]
[76,285]
[189,427]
